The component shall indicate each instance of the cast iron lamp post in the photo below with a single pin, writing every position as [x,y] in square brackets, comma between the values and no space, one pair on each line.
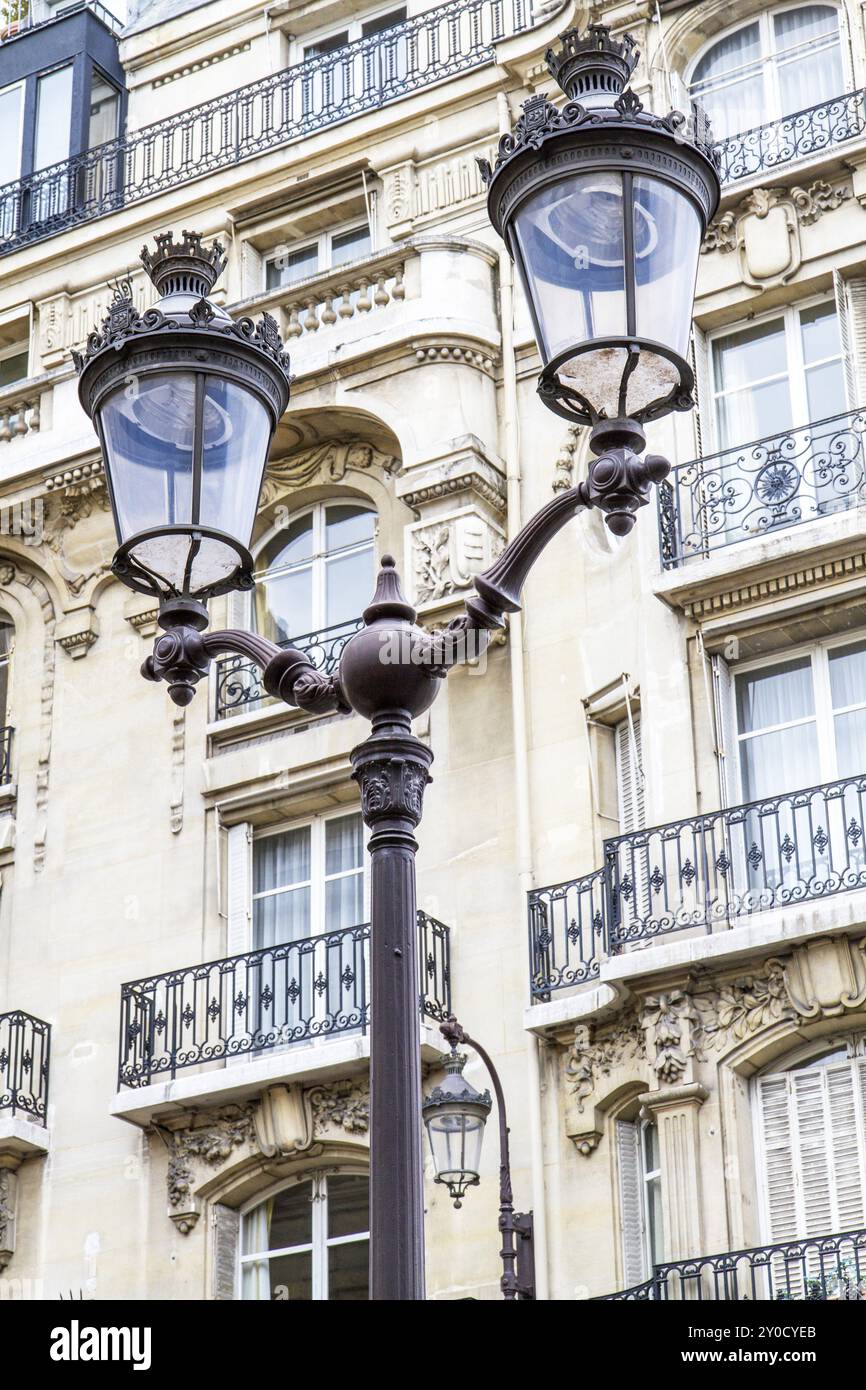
[455,1115]
[603,206]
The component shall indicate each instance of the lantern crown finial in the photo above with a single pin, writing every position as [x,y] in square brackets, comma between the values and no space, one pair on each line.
[184,267]
[593,67]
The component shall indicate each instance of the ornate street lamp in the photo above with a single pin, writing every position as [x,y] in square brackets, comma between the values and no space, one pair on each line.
[455,1115]
[185,401]
[602,205]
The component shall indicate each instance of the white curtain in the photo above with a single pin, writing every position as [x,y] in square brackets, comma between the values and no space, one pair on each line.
[256,1275]
[281,862]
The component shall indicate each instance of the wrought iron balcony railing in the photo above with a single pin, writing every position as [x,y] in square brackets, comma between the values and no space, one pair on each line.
[25,1046]
[6,754]
[819,1268]
[790,138]
[762,487]
[239,688]
[294,992]
[707,872]
[319,92]
[24,15]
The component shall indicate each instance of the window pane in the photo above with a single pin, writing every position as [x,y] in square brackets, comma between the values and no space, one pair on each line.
[13,368]
[775,695]
[383,21]
[848,675]
[729,55]
[652,1156]
[804,25]
[292,1278]
[292,546]
[348,1272]
[291,1218]
[348,1205]
[825,392]
[812,75]
[820,328]
[850,743]
[350,246]
[53,116]
[104,112]
[344,844]
[348,526]
[773,763]
[284,606]
[11,101]
[279,861]
[327,45]
[728,82]
[290,266]
[344,902]
[750,355]
[655,1223]
[349,586]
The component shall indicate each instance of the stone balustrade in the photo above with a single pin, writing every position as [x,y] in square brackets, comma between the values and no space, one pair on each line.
[21,409]
[344,293]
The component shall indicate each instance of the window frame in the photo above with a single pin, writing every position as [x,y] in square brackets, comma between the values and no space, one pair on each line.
[318,877]
[767,62]
[790,315]
[825,713]
[352,27]
[21,85]
[324,252]
[17,349]
[318,560]
[320,1243]
[649,1177]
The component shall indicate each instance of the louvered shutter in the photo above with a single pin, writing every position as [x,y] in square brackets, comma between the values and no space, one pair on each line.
[226,1226]
[629,775]
[777,1149]
[239,892]
[634,1263]
[727,744]
[856,303]
[849,366]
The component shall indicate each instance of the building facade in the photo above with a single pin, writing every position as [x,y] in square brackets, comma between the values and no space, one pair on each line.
[642,874]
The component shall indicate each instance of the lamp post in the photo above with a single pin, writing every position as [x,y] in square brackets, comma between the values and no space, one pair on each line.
[603,206]
[455,1115]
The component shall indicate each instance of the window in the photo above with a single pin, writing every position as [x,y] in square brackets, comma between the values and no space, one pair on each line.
[802,720]
[104,111]
[783,61]
[359,30]
[309,1242]
[53,117]
[308,879]
[11,118]
[640,1187]
[774,375]
[629,775]
[325,252]
[315,574]
[811,1147]
[14,362]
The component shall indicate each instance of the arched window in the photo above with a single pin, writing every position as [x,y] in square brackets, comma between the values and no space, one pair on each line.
[318,573]
[309,1241]
[811,1145]
[783,61]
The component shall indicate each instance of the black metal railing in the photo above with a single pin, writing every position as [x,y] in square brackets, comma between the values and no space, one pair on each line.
[762,487]
[707,872]
[294,992]
[25,1046]
[793,137]
[239,686]
[818,1268]
[6,733]
[37,14]
[321,91]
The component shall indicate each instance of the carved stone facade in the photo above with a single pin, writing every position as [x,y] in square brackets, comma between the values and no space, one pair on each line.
[764,229]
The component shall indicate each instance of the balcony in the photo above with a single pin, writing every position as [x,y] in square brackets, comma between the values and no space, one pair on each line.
[707,873]
[790,139]
[762,487]
[25,1046]
[820,1269]
[320,92]
[238,682]
[266,1000]
[33,14]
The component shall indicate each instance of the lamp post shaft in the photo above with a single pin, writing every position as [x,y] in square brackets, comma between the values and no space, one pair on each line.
[392,770]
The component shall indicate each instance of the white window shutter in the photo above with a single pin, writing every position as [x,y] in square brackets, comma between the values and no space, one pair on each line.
[727,743]
[629,775]
[777,1148]
[846,1145]
[226,1225]
[240,890]
[705,425]
[813,1135]
[634,1262]
[849,365]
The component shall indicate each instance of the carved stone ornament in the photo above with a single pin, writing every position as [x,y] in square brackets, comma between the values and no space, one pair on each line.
[211,1144]
[740,1008]
[8,1213]
[764,228]
[345,1106]
[669,1018]
[448,553]
[328,463]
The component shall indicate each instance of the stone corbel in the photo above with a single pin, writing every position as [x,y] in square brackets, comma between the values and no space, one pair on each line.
[398,188]
[141,613]
[826,978]
[444,556]
[209,1143]
[77,631]
[284,1122]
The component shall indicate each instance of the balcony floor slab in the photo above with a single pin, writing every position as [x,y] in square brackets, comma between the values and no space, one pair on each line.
[21,1138]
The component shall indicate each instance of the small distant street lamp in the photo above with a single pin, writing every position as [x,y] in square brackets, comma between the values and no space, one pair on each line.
[603,206]
[455,1115]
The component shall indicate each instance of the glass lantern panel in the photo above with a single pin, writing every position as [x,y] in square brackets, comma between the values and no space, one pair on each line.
[455,1142]
[667,244]
[148,430]
[571,254]
[236,434]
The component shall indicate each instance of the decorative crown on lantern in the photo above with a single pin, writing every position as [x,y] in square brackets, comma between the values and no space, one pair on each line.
[185,267]
[593,64]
